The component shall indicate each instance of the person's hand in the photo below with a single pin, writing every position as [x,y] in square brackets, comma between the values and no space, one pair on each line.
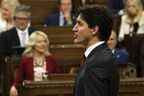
[13,91]
[67,16]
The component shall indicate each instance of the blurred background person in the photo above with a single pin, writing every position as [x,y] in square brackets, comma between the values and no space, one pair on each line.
[63,17]
[115,5]
[7,8]
[131,31]
[120,54]
[134,17]
[36,61]
[126,69]
[19,34]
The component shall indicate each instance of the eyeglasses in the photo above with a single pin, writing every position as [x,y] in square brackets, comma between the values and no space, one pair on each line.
[65,3]
[22,18]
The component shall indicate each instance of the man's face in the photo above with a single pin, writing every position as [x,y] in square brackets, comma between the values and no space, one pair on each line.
[66,5]
[81,31]
[132,8]
[22,20]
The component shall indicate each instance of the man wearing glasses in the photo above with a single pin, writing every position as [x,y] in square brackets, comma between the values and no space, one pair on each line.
[18,35]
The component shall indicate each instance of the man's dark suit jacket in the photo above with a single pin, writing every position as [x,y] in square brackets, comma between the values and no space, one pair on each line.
[10,39]
[115,5]
[98,76]
[53,20]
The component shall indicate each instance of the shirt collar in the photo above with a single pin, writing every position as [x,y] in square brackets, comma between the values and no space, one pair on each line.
[89,49]
[26,30]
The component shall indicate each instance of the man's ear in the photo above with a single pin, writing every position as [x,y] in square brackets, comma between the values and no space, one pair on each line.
[95,30]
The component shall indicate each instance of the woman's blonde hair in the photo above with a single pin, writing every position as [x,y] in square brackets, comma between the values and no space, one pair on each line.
[12,4]
[138,4]
[32,42]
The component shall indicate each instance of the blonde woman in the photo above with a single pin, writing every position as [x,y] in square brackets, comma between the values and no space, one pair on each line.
[134,15]
[36,61]
[6,14]
[132,30]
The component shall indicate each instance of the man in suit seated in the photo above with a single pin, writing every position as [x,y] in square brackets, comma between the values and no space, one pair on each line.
[63,17]
[18,35]
[120,54]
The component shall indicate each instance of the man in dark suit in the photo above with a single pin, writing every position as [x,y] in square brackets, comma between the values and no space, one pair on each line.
[18,35]
[98,76]
[115,5]
[63,17]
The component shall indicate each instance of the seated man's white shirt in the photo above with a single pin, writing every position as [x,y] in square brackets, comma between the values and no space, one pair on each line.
[19,32]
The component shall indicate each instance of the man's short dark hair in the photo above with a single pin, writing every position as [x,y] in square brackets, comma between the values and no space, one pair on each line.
[95,15]
[23,8]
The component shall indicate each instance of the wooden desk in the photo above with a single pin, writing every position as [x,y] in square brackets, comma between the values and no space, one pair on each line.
[56,85]
[128,87]
[132,87]
[49,88]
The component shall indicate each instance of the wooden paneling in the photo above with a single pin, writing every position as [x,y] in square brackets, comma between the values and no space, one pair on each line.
[40,9]
[59,35]
[68,56]
[132,87]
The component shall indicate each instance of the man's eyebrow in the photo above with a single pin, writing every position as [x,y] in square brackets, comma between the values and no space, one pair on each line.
[78,21]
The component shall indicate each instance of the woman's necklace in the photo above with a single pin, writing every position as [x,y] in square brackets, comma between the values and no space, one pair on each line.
[39,61]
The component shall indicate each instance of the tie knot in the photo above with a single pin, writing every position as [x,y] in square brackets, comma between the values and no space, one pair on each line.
[23,33]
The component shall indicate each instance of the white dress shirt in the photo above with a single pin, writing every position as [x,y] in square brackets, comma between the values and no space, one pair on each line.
[90,48]
[61,19]
[19,32]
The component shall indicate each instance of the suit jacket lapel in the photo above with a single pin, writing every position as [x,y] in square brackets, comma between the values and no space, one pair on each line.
[15,35]
[30,30]
[97,49]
